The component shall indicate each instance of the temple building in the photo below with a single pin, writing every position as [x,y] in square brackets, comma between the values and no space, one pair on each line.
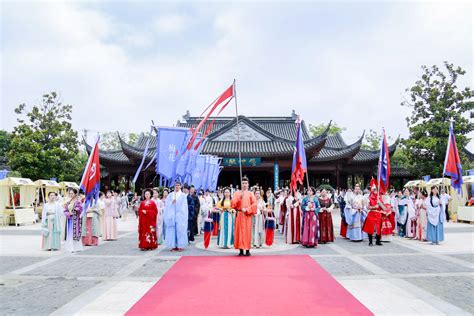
[267,146]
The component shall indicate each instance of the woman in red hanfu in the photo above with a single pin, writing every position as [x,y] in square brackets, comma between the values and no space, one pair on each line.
[326,229]
[373,222]
[147,213]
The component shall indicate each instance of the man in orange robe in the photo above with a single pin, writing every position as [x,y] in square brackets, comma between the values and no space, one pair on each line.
[245,203]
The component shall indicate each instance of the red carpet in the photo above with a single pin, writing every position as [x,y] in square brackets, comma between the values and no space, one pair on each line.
[259,285]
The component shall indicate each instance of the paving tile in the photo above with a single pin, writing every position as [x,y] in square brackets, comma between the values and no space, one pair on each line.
[416,264]
[457,290]
[11,263]
[73,267]
[341,266]
[40,297]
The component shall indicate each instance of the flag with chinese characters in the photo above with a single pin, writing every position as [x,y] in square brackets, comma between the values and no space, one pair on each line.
[170,145]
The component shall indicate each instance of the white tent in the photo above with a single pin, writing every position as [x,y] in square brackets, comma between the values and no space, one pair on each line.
[23,211]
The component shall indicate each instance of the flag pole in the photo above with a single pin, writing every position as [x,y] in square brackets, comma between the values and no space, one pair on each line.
[380,162]
[238,134]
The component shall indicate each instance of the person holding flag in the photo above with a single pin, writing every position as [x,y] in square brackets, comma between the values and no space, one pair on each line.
[299,166]
[373,222]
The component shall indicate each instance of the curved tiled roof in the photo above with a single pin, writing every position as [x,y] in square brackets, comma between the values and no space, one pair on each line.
[133,152]
[400,172]
[113,157]
[335,141]
[279,127]
[337,151]
[280,132]
[369,156]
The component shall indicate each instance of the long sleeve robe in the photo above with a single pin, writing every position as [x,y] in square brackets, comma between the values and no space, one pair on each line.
[147,238]
[243,222]
[176,220]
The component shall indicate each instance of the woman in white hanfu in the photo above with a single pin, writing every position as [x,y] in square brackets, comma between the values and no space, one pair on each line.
[436,217]
[159,219]
[258,221]
[110,215]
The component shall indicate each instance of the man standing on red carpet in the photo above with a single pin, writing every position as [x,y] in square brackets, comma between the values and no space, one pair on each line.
[245,203]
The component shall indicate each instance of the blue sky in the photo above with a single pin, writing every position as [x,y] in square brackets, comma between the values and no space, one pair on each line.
[122,64]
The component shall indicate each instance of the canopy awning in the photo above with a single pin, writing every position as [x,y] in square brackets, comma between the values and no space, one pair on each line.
[10,181]
[439,181]
[46,183]
[66,184]
[468,179]
[415,183]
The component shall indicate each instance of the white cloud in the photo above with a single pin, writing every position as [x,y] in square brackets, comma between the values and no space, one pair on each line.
[352,75]
[171,23]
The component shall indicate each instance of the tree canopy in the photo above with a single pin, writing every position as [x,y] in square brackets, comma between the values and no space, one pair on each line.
[316,130]
[110,140]
[43,144]
[435,100]
[5,140]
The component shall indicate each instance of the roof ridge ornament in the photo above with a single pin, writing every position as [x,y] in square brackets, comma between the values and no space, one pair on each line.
[187,115]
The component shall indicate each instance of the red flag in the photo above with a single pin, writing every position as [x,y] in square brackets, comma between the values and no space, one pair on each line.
[228,93]
[90,182]
[299,167]
[452,162]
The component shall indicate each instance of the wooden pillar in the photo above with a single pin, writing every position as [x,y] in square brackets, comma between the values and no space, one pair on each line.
[144,180]
[127,183]
[338,178]
[108,183]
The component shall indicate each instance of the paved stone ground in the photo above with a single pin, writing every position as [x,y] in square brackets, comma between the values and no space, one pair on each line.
[401,277]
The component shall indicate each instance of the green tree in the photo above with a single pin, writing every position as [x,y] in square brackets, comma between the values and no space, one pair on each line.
[43,144]
[316,130]
[110,140]
[435,100]
[400,158]
[372,140]
[5,140]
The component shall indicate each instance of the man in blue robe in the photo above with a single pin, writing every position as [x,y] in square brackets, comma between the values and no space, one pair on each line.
[176,219]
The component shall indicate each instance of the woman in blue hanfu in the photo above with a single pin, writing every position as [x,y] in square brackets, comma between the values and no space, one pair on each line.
[50,223]
[225,239]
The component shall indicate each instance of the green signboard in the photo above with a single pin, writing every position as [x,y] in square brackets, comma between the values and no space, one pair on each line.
[247,162]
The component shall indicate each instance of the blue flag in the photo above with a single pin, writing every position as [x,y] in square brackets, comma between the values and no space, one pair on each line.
[198,171]
[170,142]
[183,159]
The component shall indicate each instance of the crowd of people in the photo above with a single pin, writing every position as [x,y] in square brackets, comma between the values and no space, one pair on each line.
[246,218]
